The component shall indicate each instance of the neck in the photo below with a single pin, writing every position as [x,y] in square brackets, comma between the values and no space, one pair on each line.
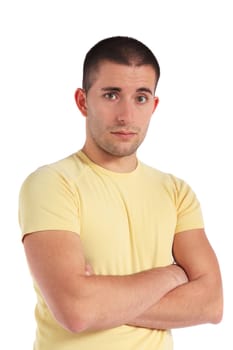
[119,164]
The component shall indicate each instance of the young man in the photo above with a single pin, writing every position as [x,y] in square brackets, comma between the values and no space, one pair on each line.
[102,230]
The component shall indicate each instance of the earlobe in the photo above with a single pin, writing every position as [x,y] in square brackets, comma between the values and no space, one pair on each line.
[80,99]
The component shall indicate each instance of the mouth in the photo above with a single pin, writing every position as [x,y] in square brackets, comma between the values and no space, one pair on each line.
[124,135]
[123,132]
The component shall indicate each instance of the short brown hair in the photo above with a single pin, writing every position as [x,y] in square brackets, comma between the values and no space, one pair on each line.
[118,49]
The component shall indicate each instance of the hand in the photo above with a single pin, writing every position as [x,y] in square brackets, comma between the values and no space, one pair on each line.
[179,274]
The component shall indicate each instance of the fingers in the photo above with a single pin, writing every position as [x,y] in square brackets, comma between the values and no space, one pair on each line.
[88,270]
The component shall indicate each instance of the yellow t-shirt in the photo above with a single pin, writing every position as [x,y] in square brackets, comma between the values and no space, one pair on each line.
[126,222]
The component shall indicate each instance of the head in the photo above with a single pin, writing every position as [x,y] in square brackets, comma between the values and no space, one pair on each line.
[119,49]
[120,75]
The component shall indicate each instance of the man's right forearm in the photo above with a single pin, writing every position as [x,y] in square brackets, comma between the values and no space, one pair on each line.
[108,301]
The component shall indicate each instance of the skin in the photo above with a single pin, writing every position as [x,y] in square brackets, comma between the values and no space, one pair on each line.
[118,108]
[197,302]
[86,301]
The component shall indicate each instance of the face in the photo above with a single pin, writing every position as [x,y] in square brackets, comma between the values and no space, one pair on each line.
[118,108]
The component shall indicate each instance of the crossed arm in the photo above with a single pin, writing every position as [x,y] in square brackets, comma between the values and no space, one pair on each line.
[158,298]
[196,302]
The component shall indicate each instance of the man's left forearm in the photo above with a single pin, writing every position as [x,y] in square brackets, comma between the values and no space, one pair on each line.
[196,302]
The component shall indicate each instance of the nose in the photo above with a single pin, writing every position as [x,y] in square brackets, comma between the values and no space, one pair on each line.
[125,112]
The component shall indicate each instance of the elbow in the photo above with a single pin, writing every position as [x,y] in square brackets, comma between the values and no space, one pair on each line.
[213,301]
[216,317]
[73,319]
[216,311]
[75,313]
[217,314]
[76,325]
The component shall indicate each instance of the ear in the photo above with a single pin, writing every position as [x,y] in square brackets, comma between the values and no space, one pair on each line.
[156,102]
[81,101]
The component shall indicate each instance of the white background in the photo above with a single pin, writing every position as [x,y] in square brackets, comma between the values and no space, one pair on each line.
[43,44]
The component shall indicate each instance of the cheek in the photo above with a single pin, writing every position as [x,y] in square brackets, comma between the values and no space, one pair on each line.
[144,121]
[95,124]
[100,117]
[97,112]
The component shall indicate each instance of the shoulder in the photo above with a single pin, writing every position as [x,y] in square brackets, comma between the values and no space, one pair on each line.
[49,197]
[175,187]
[66,171]
[166,179]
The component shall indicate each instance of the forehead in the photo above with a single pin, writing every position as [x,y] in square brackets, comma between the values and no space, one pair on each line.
[124,76]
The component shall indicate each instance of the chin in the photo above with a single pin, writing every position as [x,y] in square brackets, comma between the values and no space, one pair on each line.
[121,152]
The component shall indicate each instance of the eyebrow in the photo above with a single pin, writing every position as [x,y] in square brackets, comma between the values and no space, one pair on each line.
[114,88]
[144,89]
[111,88]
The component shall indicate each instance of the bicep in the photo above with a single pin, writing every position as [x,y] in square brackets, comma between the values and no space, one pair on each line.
[193,252]
[56,262]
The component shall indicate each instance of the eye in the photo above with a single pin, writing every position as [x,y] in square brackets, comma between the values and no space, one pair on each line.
[142,99]
[110,96]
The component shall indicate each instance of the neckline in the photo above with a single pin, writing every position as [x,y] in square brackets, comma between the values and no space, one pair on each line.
[105,171]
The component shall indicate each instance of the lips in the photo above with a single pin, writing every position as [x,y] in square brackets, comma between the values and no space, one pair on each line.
[124,136]
[123,132]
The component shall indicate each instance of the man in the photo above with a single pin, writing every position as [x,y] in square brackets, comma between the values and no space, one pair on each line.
[102,230]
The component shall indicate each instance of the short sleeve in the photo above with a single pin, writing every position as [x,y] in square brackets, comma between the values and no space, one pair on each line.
[189,214]
[47,201]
